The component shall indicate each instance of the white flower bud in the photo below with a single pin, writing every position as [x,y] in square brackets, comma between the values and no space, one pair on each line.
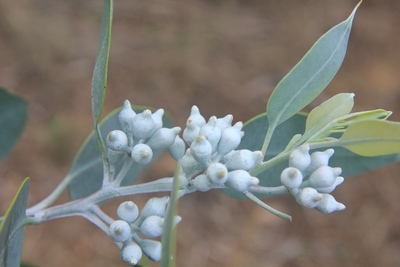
[225,122]
[155,206]
[201,183]
[119,231]
[195,117]
[191,132]
[163,138]
[151,248]
[188,163]
[201,150]
[117,141]
[128,211]
[330,189]
[131,253]
[241,181]
[115,156]
[142,154]
[177,149]
[230,139]
[291,178]
[319,159]
[324,176]
[217,173]
[308,197]
[243,159]
[152,226]
[143,125]
[125,118]
[328,204]
[157,118]
[227,157]
[211,132]
[300,158]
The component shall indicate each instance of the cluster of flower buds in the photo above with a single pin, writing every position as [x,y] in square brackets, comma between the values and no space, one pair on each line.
[141,134]
[312,192]
[212,156]
[149,223]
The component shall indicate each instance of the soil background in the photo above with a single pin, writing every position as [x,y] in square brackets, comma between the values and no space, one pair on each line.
[225,57]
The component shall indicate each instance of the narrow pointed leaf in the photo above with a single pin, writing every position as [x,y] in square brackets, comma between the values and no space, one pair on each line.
[13,113]
[311,75]
[372,138]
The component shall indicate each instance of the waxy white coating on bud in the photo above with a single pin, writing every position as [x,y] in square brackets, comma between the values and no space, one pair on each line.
[300,158]
[291,178]
[195,117]
[157,118]
[308,197]
[324,176]
[328,204]
[119,231]
[152,226]
[114,156]
[188,163]
[243,159]
[143,125]
[125,117]
[211,132]
[151,248]
[319,159]
[128,211]
[217,173]
[202,183]
[177,149]
[163,138]
[191,132]
[131,253]
[230,139]
[225,122]
[142,154]
[240,181]
[330,189]
[117,141]
[155,206]
[201,150]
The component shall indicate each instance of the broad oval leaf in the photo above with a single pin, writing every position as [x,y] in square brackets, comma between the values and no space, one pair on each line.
[372,138]
[311,75]
[87,165]
[12,229]
[13,113]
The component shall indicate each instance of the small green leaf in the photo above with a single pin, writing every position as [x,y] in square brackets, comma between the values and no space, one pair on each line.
[12,228]
[310,76]
[372,138]
[87,166]
[13,113]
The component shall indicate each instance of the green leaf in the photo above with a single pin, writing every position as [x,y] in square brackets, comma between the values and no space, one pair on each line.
[12,228]
[255,129]
[13,113]
[311,75]
[372,138]
[87,165]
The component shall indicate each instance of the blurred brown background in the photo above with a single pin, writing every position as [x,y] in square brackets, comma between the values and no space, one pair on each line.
[226,57]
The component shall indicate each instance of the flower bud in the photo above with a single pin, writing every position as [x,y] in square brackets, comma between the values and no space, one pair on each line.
[230,139]
[324,176]
[142,154]
[300,158]
[243,159]
[155,206]
[125,118]
[211,132]
[308,197]
[151,248]
[119,231]
[143,125]
[157,118]
[163,138]
[201,183]
[188,163]
[291,178]
[240,181]
[131,253]
[117,141]
[330,189]
[195,117]
[201,150]
[191,132]
[114,157]
[128,211]
[319,159]
[328,204]
[227,157]
[217,173]
[152,226]
[225,122]
[177,149]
